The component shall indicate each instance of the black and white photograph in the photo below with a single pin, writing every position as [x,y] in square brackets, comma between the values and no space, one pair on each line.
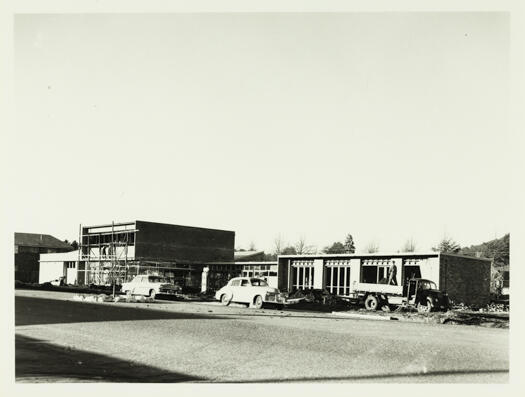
[260,196]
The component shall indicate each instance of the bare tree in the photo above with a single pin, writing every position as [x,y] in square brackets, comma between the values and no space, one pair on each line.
[302,248]
[278,244]
[372,247]
[409,246]
[252,246]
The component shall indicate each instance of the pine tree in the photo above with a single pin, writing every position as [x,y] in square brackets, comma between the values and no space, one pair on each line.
[447,245]
[349,244]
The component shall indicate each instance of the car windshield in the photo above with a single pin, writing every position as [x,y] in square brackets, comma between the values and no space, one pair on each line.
[157,279]
[427,285]
[258,282]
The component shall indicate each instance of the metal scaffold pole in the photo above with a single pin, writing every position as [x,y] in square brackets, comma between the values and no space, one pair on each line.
[113,255]
[80,254]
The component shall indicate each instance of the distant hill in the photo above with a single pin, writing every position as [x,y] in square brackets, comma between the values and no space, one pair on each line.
[498,249]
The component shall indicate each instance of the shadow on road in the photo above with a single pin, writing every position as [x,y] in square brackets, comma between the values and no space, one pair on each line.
[31,311]
[39,361]
[378,377]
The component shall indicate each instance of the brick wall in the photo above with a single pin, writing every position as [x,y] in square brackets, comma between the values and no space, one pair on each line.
[159,241]
[466,280]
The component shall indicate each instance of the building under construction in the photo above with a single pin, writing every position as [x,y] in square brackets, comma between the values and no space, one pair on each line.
[465,279]
[116,252]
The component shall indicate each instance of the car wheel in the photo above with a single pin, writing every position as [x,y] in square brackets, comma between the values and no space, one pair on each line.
[371,303]
[425,308]
[152,293]
[258,302]
[225,299]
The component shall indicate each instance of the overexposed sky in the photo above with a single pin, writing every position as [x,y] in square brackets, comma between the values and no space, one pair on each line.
[388,126]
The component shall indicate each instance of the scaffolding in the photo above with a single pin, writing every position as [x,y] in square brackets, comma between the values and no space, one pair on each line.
[104,253]
[107,257]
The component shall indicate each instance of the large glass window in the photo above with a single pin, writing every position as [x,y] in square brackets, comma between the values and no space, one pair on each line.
[302,274]
[369,274]
[375,271]
[338,280]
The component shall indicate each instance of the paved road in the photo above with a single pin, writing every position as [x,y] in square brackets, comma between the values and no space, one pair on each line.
[58,339]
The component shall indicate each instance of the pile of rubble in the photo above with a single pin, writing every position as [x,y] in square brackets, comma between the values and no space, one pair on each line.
[490,308]
[497,308]
[109,298]
[318,297]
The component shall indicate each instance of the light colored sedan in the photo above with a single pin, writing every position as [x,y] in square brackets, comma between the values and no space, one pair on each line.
[253,291]
[150,286]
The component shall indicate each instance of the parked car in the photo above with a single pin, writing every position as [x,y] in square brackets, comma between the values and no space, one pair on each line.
[250,290]
[150,286]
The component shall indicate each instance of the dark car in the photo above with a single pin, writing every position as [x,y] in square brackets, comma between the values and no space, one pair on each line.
[425,295]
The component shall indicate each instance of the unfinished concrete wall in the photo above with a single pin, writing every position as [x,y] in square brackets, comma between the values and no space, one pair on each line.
[466,280]
[430,269]
[165,242]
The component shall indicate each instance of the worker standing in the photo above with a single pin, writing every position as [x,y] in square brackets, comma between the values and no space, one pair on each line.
[392,272]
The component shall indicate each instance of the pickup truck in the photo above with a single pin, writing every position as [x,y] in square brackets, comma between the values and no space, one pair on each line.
[418,293]
[151,286]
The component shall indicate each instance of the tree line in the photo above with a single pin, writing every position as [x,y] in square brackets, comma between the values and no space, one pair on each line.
[498,249]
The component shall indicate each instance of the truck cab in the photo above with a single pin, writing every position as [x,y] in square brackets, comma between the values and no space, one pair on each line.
[424,295]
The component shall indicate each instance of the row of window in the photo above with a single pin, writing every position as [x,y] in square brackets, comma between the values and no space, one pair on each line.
[259,267]
[224,268]
[253,273]
[337,278]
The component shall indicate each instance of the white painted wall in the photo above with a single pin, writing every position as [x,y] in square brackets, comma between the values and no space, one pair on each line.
[59,256]
[318,273]
[430,269]
[50,271]
[72,275]
[355,269]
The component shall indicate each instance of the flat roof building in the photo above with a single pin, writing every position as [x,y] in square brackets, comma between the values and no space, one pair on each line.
[466,279]
[116,252]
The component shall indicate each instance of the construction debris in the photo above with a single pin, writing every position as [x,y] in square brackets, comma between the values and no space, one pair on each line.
[101,298]
[316,296]
[490,308]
